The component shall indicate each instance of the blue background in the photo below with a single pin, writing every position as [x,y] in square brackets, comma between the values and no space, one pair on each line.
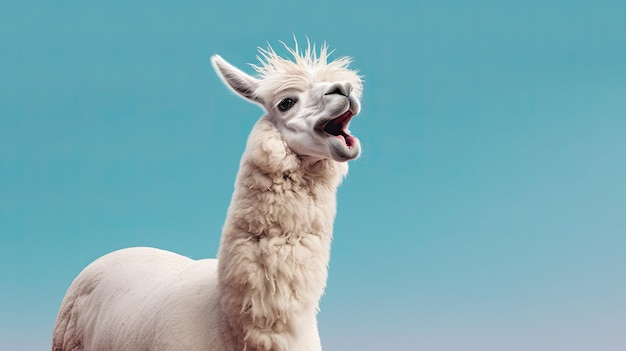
[488,211]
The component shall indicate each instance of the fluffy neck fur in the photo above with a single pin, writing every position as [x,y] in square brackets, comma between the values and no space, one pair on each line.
[275,243]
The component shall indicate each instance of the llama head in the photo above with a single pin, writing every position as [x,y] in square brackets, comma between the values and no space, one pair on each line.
[310,100]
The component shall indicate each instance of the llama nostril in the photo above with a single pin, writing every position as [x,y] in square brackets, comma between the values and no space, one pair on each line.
[339,88]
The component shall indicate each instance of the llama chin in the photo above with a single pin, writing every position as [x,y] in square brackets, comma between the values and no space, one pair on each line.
[262,292]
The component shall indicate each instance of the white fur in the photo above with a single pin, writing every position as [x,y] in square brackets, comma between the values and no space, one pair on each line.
[263,291]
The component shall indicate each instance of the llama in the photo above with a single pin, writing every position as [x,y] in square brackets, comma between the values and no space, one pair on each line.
[263,290]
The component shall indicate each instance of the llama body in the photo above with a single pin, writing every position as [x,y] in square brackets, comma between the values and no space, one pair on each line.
[114,305]
[263,291]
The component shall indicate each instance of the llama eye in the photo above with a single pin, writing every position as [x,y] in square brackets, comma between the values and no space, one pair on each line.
[286,103]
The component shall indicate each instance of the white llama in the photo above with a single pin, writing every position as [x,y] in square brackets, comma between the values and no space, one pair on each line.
[263,291]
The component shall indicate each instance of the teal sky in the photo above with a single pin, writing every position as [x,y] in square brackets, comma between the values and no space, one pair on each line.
[487,213]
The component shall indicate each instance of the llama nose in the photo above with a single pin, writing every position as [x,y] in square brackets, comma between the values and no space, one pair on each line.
[339,88]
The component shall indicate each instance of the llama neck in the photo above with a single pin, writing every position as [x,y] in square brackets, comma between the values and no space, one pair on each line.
[276,240]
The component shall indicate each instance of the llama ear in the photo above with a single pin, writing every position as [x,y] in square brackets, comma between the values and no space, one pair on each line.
[240,82]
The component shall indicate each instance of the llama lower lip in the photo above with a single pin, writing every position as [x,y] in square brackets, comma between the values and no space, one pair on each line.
[345,149]
[346,139]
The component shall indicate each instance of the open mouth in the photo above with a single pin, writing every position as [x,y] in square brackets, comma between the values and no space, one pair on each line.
[337,127]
